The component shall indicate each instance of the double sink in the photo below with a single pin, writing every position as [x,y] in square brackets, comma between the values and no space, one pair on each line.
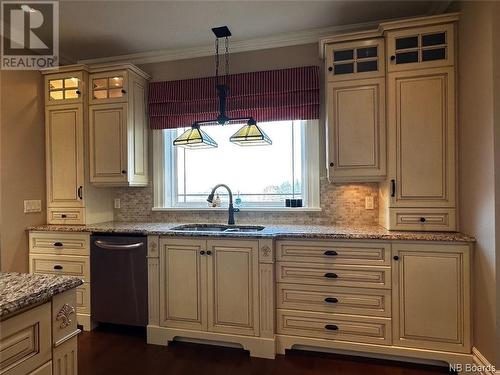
[221,228]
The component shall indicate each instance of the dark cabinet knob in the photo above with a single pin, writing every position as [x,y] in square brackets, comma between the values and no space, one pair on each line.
[395,257]
[330,68]
[124,171]
[331,300]
[58,267]
[331,327]
[64,216]
[393,58]
[330,253]
[209,252]
[202,252]
[331,164]
[58,244]
[422,219]
[123,91]
[331,275]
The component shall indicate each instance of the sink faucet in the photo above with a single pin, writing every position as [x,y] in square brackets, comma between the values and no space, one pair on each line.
[232,210]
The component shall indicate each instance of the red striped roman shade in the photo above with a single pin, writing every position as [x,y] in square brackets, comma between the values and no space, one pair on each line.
[274,95]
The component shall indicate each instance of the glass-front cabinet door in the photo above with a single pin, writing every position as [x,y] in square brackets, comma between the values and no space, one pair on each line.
[108,87]
[64,88]
[424,47]
[355,60]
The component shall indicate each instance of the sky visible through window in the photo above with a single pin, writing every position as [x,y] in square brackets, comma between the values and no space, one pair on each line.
[259,174]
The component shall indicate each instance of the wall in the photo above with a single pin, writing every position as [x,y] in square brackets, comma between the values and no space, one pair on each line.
[22,163]
[341,204]
[477,162]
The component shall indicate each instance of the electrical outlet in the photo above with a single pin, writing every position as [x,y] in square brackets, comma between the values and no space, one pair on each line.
[368,202]
[117,203]
[31,206]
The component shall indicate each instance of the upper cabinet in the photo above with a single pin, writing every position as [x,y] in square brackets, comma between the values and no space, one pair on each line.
[63,88]
[422,47]
[108,87]
[118,138]
[355,111]
[355,60]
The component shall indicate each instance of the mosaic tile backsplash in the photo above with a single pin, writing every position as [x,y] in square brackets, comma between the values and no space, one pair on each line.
[342,204]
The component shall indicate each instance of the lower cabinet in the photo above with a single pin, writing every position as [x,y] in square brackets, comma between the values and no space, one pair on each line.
[431,296]
[210,285]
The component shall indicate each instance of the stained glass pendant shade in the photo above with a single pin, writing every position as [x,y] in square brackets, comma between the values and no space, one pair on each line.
[248,135]
[195,138]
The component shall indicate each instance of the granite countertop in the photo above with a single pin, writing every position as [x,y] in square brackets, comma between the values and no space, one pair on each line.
[270,231]
[21,290]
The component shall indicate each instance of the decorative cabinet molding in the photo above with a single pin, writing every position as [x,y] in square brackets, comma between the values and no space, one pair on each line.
[118,126]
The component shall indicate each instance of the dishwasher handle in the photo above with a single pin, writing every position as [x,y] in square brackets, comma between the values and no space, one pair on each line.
[112,246]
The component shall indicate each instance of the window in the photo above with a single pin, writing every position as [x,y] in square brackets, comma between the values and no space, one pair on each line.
[260,176]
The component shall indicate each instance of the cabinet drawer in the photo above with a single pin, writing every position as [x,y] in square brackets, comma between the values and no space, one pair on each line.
[372,302]
[59,243]
[61,265]
[422,219]
[334,327]
[334,275]
[83,299]
[64,317]
[327,252]
[25,341]
[66,216]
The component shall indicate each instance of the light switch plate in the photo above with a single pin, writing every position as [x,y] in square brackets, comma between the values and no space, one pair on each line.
[369,202]
[34,205]
[117,203]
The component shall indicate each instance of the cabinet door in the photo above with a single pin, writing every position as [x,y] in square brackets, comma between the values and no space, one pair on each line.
[421,47]
[108,87]
[233,287]
[431,297]
[356,130]
[355,60]
[64,150]
[421,117]
[183,284]
[64,88]
[108,143]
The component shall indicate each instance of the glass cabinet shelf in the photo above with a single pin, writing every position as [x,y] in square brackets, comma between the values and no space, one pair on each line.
[108,87]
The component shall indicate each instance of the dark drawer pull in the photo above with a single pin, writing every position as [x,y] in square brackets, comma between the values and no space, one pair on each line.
[331,327]
[331,275]
[58,267]
[330,253]
[331,300]
[422,219]
[64,216]
[58,244]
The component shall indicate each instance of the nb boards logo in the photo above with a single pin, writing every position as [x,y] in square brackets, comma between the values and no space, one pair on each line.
[30,35]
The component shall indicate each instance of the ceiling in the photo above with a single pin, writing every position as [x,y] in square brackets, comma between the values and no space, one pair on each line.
[96,29]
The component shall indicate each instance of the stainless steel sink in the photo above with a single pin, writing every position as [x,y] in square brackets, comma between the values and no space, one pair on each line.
[218,228]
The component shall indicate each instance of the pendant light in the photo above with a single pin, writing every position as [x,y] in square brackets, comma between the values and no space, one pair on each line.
[250,134]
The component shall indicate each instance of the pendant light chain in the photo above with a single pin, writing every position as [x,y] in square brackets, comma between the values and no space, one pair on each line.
[216,61]
[227,59]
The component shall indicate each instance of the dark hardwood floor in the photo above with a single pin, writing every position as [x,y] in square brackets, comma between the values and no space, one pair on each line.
[116,350]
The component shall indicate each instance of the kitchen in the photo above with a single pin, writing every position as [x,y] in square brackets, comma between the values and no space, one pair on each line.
[357,232]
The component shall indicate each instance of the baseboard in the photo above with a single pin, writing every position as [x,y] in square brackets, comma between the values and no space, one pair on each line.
[483,366]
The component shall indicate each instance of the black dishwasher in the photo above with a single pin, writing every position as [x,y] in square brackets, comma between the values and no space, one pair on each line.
[118,269]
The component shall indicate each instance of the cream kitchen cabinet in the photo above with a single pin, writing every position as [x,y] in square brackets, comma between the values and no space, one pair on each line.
[118,143]
[420,191]
[218,290]
[70,197]
[431,296]
[355,122]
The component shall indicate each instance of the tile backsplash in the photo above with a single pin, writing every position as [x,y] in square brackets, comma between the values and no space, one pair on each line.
[342,204]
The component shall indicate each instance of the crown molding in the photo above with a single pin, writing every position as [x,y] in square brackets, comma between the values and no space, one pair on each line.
[276,41]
